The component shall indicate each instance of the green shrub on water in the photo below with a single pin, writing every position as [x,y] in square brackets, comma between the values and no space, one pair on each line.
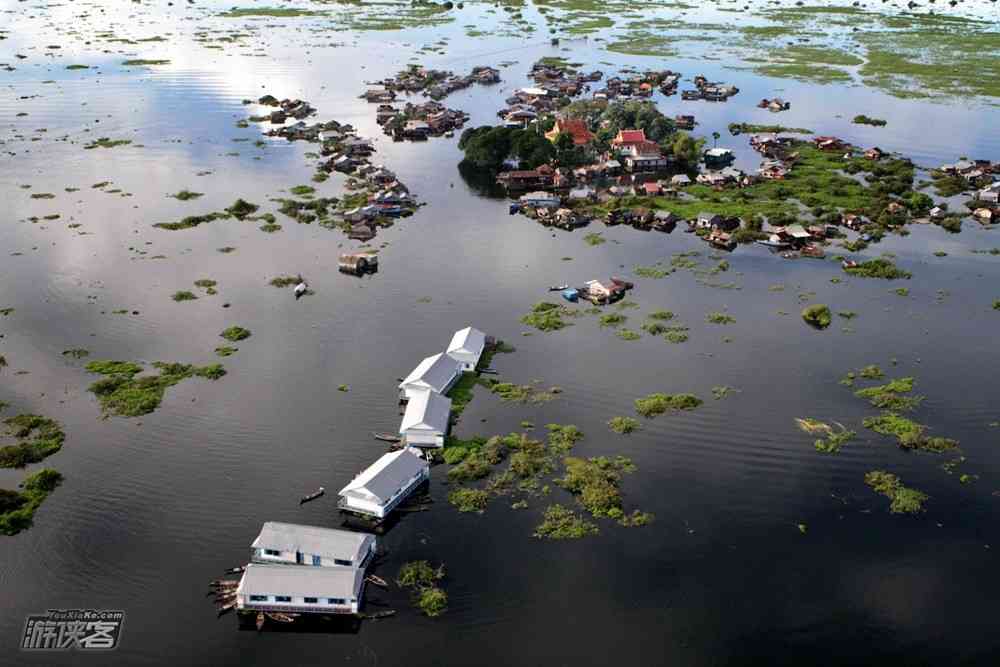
[658,403]
[17,508]
[302,190]
[817,316]
[285,281]
[226,350]
[454,455]
[561,523]
[720,318]
[39,437]
[184,295]
[904,500]
[419,574]
[120,392]
[908,434]
[613,319]
[635,519]
[676,335]
[594,238]
[186,195]
[241,208]
[433,601]
[888,396]
[628,334]
[547,316]
[469,500]
[661,315]
[878,268]
[474,466]
[623,425]
[235,334]
[996,305]
[595,483]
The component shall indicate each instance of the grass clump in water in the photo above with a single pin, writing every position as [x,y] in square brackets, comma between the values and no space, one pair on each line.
[38,437]
[423,578]
[836,436]
[623,425]
[878,268]
[817,316]
[105,142]
[661,315]
[629,335]
[595,483]
[140,62]
[547,316]
[720,318]
[469,500]
[235,334]
[186,195]
[889,396]
[184,295]
[285,281]
[904,499]
[908,433]
[862,119]
[17,508]
[121,393]
[657,404]
[226,351]
[612,319]
[561,523]
[522,393]
[241,208]
[594,238]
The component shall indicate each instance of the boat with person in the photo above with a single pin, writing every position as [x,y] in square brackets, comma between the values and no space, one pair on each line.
[312,496]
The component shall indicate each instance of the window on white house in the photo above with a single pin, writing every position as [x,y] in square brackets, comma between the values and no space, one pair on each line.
[282,598]
[311,600]
[272,552]
[258,598]
[341,561]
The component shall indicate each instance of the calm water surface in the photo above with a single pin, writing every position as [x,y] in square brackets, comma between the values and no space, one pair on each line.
[153,508]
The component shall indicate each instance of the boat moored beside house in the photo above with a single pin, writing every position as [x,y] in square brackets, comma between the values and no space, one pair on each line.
[381,487]
[289,543]
[284,588]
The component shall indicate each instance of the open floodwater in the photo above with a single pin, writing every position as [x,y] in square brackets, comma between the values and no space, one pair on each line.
[763,551]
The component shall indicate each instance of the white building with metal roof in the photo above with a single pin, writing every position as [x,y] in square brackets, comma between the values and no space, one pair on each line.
[437,373]
[466,347]
[291,543]
[383,485]
[425,422]
[287,588]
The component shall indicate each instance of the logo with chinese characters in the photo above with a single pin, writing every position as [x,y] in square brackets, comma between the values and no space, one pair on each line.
[63,630]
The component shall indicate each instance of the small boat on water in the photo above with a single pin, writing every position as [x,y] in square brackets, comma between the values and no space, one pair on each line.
[379,614]
[260,620]
[280,617]
[312,496]
[376,580]
[226,608]
[236,570]
[849,264]
[386,437]
[558,288]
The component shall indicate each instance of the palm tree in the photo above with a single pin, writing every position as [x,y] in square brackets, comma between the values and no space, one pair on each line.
[715,139]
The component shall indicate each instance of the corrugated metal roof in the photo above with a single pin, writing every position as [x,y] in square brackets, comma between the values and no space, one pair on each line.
[298,581]
[435,372]
[468,340]
[427,411]
[343,544]
[384,477]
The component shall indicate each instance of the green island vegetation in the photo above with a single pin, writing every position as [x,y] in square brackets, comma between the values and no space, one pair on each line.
[561,523]
[817,316]
[235,334]
[548,316]
[862,119]
[273,12]
[628,334]
[6,311]
[836,435]
[594,482]
[752,128]
[623,425]
[594,238]
[719,318]
[890,396]
[226,350]
[106,142]
[240,209]
[141,62]
[612,320]
[469,500]
[186,195]
[423,579]
[17,508]
[657,404]
[38,438]
[904,499]
[184,295]
[76,67]
[520,393]
[284,281]
[908,434]
[721,391]
[878,268]
[43,195]
[208,285]
[120,392]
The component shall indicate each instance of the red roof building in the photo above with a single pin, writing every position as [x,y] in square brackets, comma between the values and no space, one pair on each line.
[627,138]
[575,127]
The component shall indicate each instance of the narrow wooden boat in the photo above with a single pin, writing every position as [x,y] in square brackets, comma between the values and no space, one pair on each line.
[226,608]
[236,570]
[386,437]
[260,620]
[312,496]
[280,617]
[376,580]
[558,288]
[379,614]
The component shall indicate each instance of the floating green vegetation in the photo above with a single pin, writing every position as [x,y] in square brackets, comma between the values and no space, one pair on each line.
[469,500]
[908,434]
[226,350]
[657,404]
[76,67]
[191,221]
[901,291]
[651,272]
[595,483]
[285,281]
[343,388]
[17,508]
[904,499]
[753,128]
[302,190]
[817,316]
[235,334]
[38,437]
[837,435]
[461,393]
[612,319]
[661,315]
[720,392]
[862,119]
[6,311]
[225,250]
[878,268]
[184,295]
[623,425]
[889,396]
[628,334]
[474,465]
[142,62]
[562,523]
[676,334]
[76,353]
[719,318]
[274,12]
[996,304]
[816,64]
[121,393]
[106,142]
[43,195]
[186,195]
[522,393]
[594,238]
[241,209]
[548,316]
[423,579]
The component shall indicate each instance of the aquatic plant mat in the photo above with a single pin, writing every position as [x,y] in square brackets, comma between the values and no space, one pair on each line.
[124,392]
[17,508]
